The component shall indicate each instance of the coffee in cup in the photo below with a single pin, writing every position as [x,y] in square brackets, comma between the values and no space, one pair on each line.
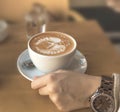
[52,44]
[50,51]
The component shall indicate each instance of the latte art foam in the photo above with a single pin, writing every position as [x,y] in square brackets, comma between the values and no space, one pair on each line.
[51,44]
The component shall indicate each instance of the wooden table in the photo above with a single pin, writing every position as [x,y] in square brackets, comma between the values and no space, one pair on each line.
[16,94]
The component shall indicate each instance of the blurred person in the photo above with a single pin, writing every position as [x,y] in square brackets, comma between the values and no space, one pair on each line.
[70,90]
[114,4]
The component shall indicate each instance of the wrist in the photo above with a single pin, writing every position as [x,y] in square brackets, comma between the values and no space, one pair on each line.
[95,84]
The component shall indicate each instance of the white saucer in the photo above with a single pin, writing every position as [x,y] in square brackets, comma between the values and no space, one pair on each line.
[79,64]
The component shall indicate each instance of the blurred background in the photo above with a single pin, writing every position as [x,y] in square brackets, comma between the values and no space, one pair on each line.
[105,12]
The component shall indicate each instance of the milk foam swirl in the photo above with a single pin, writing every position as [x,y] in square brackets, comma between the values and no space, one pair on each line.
[51,45]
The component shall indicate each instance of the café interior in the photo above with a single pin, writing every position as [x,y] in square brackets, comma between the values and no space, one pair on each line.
[94,23]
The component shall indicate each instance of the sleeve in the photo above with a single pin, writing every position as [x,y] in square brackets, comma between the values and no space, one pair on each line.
[117,91]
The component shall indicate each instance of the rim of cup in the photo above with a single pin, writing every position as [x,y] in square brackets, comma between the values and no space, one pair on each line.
[69,36]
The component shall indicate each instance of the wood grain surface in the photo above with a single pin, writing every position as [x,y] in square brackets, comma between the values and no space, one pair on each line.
[16,94]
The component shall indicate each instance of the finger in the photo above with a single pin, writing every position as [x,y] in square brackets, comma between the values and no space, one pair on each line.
[43,91]
[40,82]
[60,71]
[55,98]
[52,88]
[36,77]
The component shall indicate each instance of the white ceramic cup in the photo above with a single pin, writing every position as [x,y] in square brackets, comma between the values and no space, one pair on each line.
[52,63]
